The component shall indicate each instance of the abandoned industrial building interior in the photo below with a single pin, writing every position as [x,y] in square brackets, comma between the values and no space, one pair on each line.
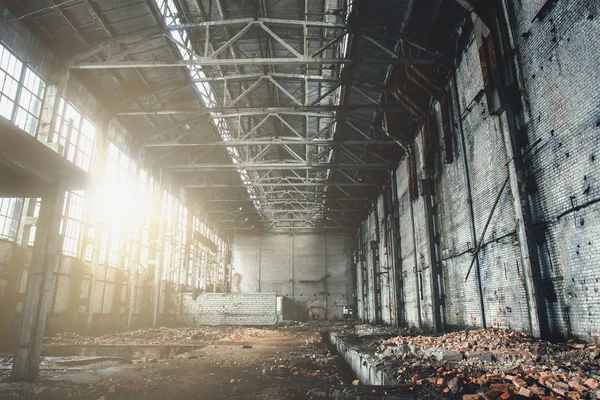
[299,199]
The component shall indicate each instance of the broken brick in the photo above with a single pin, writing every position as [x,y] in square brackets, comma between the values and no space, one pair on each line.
[591,383]
[525,392]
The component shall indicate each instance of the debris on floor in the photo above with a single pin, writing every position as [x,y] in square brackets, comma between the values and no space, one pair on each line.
[162,335]
[493,363]
[296,361]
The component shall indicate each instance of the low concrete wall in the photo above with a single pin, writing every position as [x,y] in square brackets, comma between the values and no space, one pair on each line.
[361,364]
[228,309]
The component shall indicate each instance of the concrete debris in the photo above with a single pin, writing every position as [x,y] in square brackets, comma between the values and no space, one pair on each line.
[479,364]
[161,335]
[492,364]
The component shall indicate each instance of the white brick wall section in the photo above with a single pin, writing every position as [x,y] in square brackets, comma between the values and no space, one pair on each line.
[229,309]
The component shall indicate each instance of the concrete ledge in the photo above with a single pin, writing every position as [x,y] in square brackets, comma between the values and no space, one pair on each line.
[361,364]
[126,351]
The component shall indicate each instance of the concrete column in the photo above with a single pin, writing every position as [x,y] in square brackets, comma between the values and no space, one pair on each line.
[536,303]
[54,91]
[97,172]
[134,251]
[415,251]
[159,253]
[397,280]
[435,273]
[326,288]
[40,286]
[512,125]
[259,256]
[292,265]
[189,237]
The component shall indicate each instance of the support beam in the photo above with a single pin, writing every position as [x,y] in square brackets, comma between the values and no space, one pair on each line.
[249,221]
[278,75]
[279,201]
[284,142]
[227,111]
[40,286]
[276,184]
[274,166]
[304,211]
[244,21]
[209,61]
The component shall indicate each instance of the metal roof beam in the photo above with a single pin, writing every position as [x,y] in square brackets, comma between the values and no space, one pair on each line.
[275,166]
[278,184]
[283,142]
[244,21]
[289,220]
[276,201]
[210,61]
[228,111]
[279,75]
[298,211]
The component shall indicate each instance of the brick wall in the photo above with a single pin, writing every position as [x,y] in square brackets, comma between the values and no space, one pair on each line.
[228,309]
[484,160]
[558,61]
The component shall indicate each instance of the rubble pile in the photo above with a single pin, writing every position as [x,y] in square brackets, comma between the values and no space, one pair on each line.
[161,335]
[493,364]
[375,330]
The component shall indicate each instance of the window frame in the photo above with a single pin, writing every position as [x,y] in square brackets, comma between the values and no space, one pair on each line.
[13,221]
[80,157]
[24,68]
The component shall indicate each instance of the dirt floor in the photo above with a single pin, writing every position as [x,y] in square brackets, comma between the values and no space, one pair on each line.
[227,363]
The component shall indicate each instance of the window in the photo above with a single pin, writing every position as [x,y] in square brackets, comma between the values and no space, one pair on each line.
[76,135]
[109,253]
[36,213]
[89,246]
[118,204]
[30,102]
[10,214]
[71,224]
[21,92]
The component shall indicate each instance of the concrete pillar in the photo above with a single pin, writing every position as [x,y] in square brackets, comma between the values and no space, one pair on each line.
[134,250]
[159,249]
[40,286]
[97,172]
[397,274]
[54,91]
[415,250]
[513,126]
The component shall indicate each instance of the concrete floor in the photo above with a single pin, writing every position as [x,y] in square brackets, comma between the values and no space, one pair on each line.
[239,363]
[301,362]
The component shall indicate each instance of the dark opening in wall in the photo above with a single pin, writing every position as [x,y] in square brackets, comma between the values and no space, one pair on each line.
[545,10]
